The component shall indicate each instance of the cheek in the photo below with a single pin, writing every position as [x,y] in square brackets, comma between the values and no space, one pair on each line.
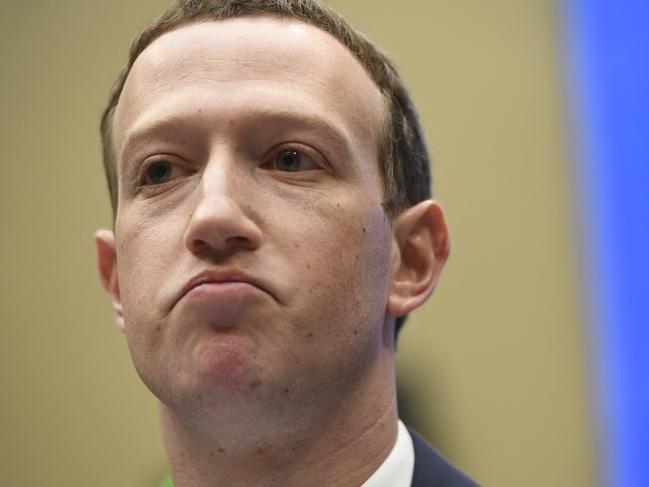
[144,252]
[340,272]
[341,258]
[363,258]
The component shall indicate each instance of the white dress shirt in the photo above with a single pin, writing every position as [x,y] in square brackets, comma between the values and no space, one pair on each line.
[396,470]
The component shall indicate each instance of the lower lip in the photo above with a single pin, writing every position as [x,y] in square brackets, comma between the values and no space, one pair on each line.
[222,290]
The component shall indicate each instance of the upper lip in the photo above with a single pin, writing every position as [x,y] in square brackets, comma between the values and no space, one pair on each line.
[219,276]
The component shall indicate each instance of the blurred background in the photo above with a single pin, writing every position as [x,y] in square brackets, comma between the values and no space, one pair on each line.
[505,370]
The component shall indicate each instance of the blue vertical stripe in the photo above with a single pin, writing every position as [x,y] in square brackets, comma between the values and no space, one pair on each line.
[609,67]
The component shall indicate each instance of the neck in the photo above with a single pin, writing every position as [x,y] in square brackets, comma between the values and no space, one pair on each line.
[342,447]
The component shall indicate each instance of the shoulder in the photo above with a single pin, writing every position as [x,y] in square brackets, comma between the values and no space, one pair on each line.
[433,470]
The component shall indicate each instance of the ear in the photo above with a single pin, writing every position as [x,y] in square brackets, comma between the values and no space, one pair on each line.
[107,266]
[421,246]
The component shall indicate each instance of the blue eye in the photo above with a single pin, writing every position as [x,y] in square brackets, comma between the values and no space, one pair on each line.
[289,160]
[159,172]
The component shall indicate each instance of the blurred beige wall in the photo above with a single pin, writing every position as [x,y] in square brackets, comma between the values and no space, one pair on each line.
[493,366]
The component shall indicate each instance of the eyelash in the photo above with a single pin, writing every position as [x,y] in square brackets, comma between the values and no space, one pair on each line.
[268,161]
[313,154]
[142,173]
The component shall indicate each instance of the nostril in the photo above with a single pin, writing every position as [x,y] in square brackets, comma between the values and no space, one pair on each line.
[236,239]
[230,244]
[198,246]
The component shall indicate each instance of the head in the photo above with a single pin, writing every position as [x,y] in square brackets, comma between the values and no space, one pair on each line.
[270,153]
[403,157]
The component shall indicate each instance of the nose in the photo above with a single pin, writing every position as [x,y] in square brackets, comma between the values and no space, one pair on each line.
[221,223]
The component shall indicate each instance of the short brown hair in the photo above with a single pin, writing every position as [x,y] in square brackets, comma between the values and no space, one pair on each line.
[404,161]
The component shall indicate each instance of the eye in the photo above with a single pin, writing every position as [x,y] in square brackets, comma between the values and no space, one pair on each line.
[160,172]
[290,160]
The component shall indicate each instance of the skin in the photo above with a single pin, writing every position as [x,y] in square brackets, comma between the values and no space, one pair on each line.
[288,379]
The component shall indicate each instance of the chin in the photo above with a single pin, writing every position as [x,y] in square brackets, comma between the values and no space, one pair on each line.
[224,363]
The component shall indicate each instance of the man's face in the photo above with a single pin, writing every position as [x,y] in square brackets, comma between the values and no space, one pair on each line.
[248,156]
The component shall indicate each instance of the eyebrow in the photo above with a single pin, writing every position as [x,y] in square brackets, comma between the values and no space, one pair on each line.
[149,130]
[332,132]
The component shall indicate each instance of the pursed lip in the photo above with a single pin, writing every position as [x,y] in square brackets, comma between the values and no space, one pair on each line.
[218,277]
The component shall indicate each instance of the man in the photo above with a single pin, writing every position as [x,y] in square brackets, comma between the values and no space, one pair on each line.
[270,189]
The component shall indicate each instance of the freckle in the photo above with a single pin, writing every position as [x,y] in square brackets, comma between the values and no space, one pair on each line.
[200,397]
[297,245]
[310,335]
[355,332]
[221,450]
[258,451]
[255,384]
[157,328]
[285,391]
[337,205]
[308,266]
[364,230]
[292,448]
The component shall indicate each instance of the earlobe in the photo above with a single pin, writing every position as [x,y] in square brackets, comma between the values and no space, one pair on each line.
[107,267]
[423,246]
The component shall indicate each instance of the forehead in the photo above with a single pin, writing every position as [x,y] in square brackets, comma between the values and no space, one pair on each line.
[258,62]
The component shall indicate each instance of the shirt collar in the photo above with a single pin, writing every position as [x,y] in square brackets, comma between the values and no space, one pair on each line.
[396,470]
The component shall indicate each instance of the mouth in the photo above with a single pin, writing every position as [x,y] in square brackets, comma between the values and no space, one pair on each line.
[220,284]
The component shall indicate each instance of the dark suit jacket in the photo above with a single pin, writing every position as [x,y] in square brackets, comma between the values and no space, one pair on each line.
[432,470]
